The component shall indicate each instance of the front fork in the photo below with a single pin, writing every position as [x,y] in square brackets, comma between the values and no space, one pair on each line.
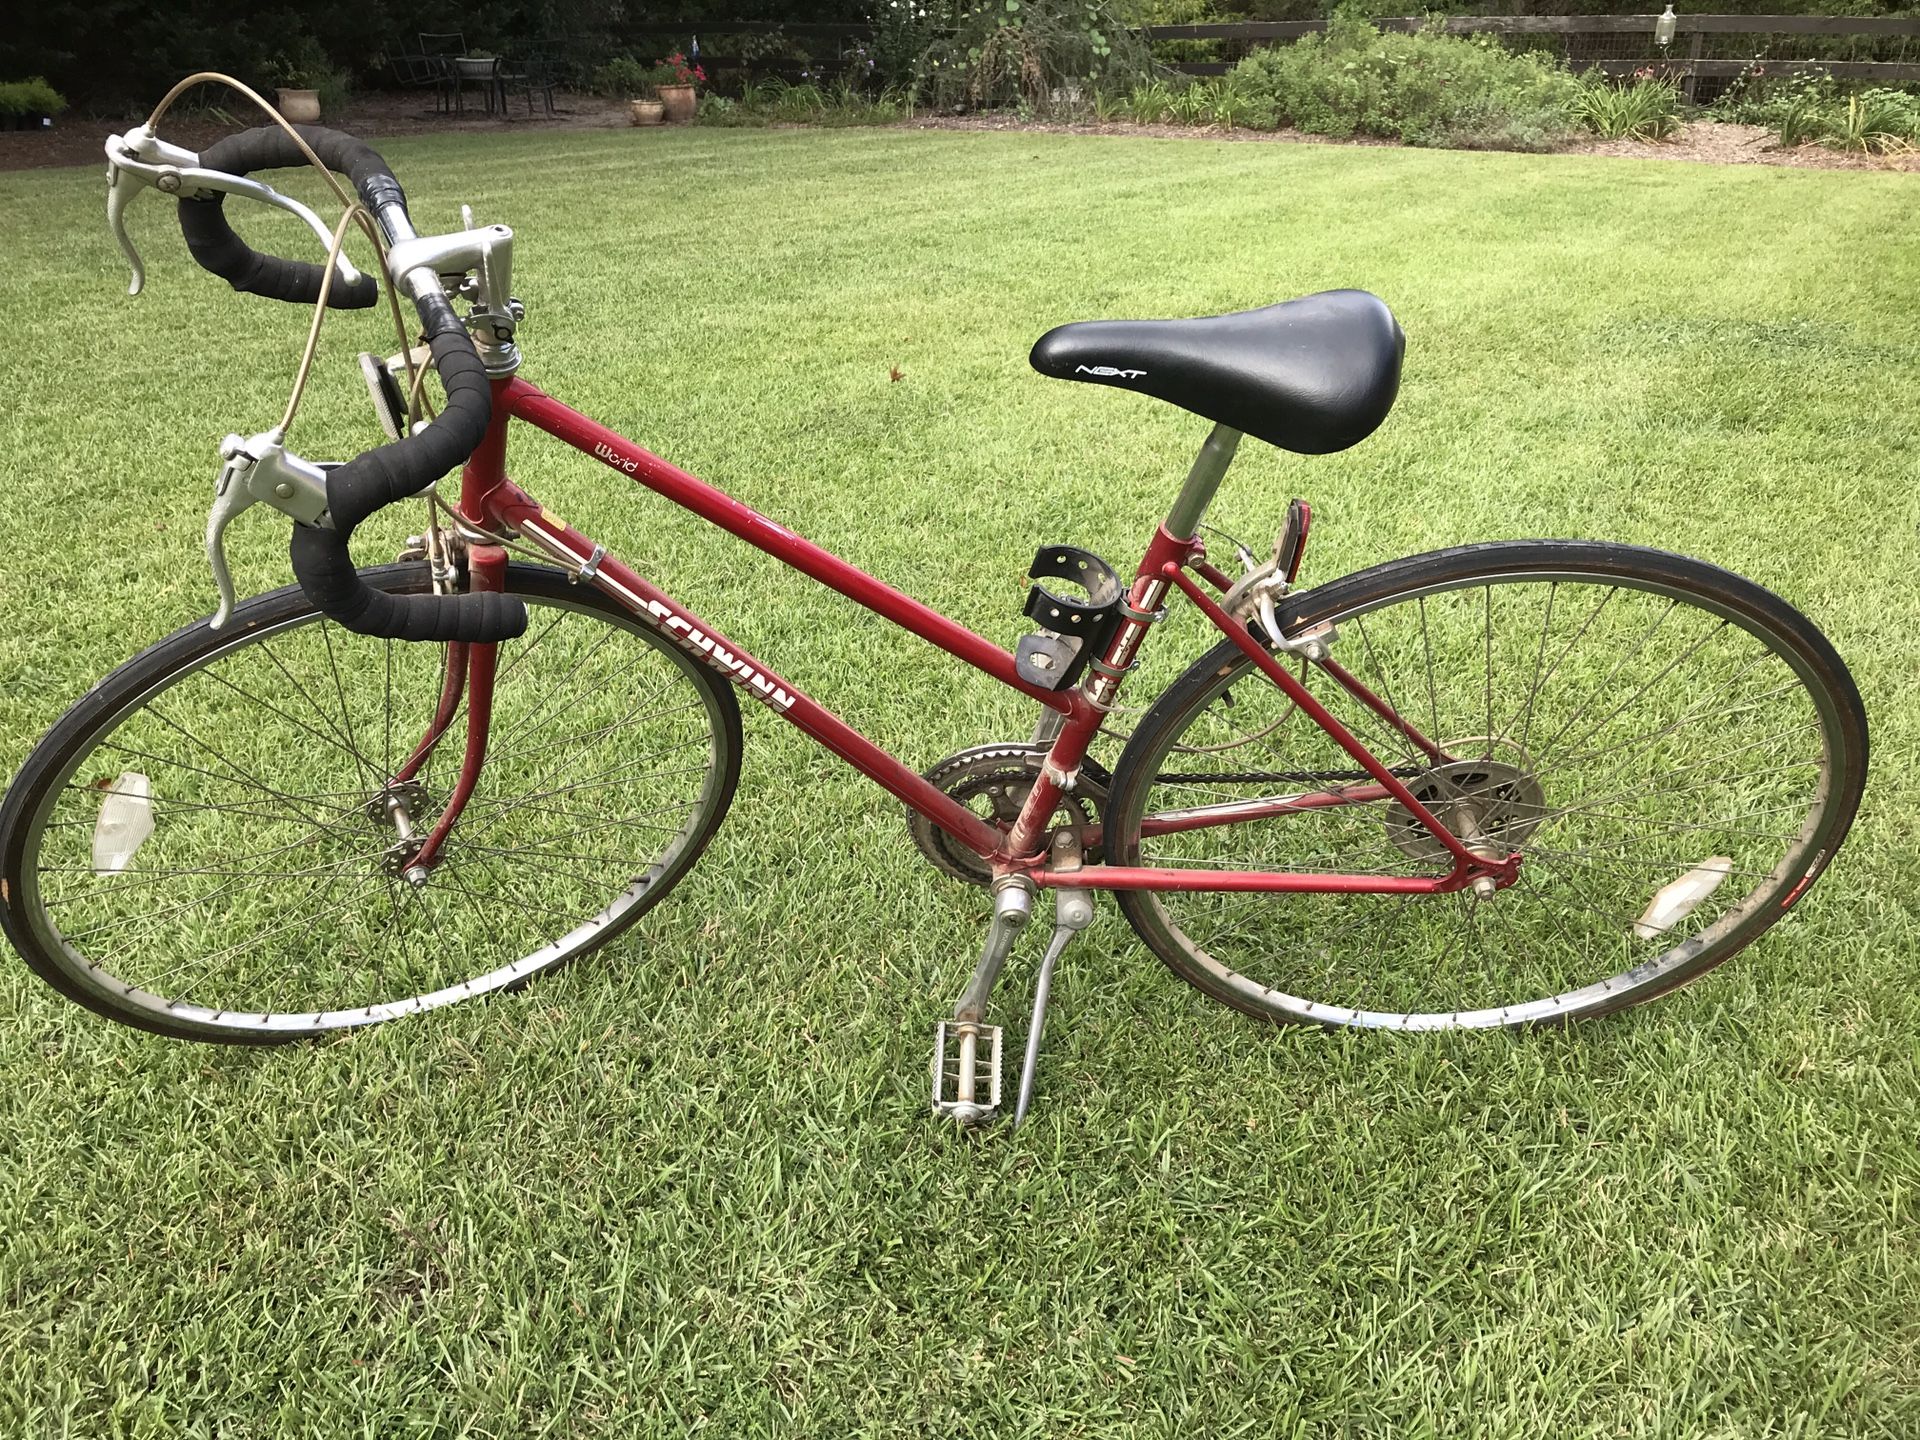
[469,670]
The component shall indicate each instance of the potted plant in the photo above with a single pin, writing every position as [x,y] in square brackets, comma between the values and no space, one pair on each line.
[305,83]
[673,81]
[626,77]
[29,104]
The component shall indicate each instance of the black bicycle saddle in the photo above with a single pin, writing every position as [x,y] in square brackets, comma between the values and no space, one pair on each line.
[1313,375]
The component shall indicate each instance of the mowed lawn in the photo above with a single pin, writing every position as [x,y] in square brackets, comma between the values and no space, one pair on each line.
[690,1184]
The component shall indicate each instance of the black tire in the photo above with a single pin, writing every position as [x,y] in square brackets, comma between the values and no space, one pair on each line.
[504,894]
[1284,946]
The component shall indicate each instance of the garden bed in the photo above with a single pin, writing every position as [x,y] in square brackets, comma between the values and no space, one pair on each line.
[77,140]
[1711,141]
[373,117]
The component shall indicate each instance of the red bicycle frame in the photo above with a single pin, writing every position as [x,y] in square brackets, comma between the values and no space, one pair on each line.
[491,503]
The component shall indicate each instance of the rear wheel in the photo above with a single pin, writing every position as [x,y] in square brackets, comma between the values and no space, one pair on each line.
[1674,752]
[255,893]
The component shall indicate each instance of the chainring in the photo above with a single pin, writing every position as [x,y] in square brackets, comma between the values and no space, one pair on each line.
[992,781]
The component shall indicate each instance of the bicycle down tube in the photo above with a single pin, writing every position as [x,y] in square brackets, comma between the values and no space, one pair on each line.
[490,500]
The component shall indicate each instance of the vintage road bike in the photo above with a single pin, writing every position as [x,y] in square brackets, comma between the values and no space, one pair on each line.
[1494,785]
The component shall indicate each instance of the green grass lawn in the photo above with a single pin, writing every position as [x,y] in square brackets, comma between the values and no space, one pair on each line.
[690,1183]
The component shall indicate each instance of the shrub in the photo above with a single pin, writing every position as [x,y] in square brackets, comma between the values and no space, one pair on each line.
[903,32]
[1800,109]
[1426,88]
[1648,109]
[623,77]
[719,110]
[1757,98]
[1875,122]
[1150,104]
[1236,105]
[1797,108]
[1801,124]
[1034,53]
[304,65]
[776,102]
[20,99]
[1193,105]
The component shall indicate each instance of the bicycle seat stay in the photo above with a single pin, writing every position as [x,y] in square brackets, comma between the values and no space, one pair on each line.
[1313,375]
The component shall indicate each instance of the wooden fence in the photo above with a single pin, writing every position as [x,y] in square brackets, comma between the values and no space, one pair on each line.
[1710,47]
[1686,59]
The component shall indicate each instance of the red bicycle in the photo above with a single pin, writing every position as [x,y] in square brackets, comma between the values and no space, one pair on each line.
[1486,786]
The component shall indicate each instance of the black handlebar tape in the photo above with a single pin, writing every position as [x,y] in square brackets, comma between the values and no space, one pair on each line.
[331,582]
[321,558]
[212,241]
[377,478]
[268,147]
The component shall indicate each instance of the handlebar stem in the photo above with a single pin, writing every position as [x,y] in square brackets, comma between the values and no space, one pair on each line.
[423,264]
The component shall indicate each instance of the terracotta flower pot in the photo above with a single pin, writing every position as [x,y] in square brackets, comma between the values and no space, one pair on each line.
[300,106]
[647,112]
[679,102]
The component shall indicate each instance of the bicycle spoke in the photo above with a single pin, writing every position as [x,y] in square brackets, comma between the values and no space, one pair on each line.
[238,773]
[1525,713]
[1403,747]
[1486,592]
[374,782]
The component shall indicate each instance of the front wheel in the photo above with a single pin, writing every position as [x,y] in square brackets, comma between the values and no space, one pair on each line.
[209,844]
[1673,752]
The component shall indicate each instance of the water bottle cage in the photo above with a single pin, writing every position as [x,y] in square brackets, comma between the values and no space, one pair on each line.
[1071,631]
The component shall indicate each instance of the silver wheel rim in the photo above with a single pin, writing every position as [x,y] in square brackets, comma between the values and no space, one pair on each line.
[186,1011]
[1802,851]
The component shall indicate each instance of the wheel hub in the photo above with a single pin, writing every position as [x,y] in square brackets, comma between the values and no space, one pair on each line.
[1491,804]
[410,795]
[399,808]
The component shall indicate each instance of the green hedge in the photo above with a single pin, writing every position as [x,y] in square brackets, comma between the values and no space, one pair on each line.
[1425,88]
[32,96]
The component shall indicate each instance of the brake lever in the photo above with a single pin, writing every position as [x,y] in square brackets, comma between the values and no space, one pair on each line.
[120,191]
[259,470]
[140,158]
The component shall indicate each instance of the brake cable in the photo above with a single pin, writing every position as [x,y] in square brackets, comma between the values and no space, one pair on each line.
[355,212]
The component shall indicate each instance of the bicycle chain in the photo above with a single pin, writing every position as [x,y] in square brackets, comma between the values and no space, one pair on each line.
[1281,777]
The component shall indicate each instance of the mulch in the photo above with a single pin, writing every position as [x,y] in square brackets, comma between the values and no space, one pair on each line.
[1712,142]
[81,141]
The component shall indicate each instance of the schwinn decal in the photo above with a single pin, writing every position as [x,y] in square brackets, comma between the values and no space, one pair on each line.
[722,659]
[606,452]
[1107,372]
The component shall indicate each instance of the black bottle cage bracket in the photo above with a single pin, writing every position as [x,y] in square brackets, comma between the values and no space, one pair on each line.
[1071,632]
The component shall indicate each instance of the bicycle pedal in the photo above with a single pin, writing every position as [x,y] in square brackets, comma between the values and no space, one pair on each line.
[966,1071]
